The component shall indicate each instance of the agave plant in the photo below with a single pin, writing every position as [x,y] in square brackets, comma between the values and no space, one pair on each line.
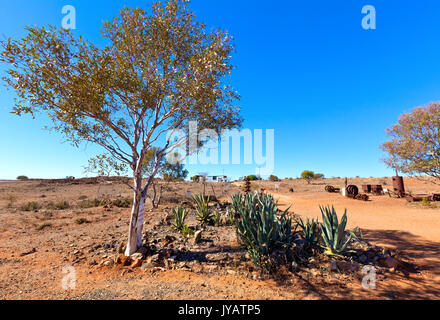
[204,216]
[179,215]
[333,234]
[260,230]
[310,229]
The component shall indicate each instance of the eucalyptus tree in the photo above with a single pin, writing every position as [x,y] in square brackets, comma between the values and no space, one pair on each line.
[414,145]
[159,69]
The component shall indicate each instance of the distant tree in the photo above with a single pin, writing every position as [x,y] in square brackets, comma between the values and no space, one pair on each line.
[414,147]
[252,177]
[22,178]
[318,176]
[195,178]
[308,175]
[274,178]
[158,71]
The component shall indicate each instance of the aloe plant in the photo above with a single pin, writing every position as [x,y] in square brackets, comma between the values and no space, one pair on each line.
[179,215]
[204,216]
[260,230]
[335,238]
[310,230]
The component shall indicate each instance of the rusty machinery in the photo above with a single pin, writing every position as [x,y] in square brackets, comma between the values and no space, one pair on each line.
[374,189]
[331,189]
[352,192]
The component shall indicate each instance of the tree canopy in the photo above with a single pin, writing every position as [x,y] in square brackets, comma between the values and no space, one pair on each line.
[159,70]
[414,147]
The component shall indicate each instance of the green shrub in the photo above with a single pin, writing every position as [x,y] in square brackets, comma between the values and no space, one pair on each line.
[30,206]
[335,238]
[81,221]
[179,216]
[123,203]
[260,230]
[310,230]
[253,177]
[274,178]
[217,218]
[204,215]
[22,178]
[60,205]
[93,203]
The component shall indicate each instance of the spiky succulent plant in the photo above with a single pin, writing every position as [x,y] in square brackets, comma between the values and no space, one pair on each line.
[335,239]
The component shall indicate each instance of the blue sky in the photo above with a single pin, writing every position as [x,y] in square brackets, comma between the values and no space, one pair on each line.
[307,69]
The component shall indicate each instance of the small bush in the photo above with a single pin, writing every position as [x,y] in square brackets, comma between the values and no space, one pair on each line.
[82,197]
[22,178]
[93,203]
[30,206]
[81,221]
[274,178]
[253,177]
[123,203]
[60,205]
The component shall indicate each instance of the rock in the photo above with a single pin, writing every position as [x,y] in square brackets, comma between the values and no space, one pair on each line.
[145,266]
[137,263]
[295,267]
[28,253]
[363,258]
[197,237]
[121,248]
[107,263]
[344,266]
[389,262]
[123,260]
[137,256]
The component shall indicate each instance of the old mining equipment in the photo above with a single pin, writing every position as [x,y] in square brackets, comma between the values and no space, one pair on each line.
[332,189]
[398,186]
[352,190]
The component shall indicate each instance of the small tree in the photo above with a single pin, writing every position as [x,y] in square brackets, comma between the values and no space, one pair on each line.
[274,178]
[414,147]
[158,71]
[22,178]
[318,176]
[308,175]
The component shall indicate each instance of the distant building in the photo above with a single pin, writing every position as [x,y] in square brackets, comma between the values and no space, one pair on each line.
[216,178]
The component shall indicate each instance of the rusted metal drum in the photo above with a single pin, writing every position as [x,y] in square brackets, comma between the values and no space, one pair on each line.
[366,188]
[399,186]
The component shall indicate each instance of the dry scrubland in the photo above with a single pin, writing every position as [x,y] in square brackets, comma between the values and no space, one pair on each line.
[65,225]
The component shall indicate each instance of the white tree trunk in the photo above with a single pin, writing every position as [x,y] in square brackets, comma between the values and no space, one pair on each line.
[136,226]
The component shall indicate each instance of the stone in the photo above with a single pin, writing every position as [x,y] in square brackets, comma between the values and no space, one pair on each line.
[389,262]
[137,263]
[121,248]
[197,237]
[363,258]
[137,256]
